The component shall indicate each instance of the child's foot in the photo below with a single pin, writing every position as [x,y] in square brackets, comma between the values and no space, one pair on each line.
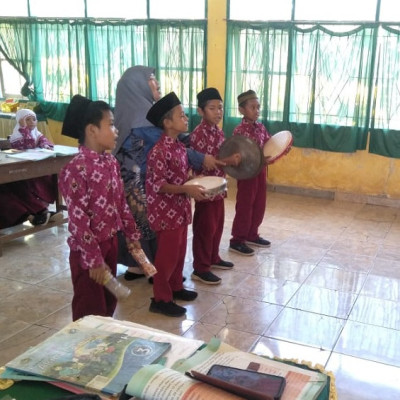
[131,276]
[185,295]
[223,265]
[167,308]
[39,219]
[241,248]
[56,216]
[259,242]
[206,277]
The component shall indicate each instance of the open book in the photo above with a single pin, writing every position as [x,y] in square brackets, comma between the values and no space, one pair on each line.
[155,382]
[86,355]
[41,154]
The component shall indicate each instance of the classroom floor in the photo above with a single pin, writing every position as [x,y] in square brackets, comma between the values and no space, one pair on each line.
[327,291]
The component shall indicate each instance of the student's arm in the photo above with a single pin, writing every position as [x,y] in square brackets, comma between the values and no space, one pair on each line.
[74,189]
[43,142]
[195,191]
[22,139]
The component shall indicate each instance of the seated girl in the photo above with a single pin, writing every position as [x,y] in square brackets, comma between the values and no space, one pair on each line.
[28,199]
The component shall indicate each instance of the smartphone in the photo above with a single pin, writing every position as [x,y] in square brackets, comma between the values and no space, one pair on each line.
[250,384]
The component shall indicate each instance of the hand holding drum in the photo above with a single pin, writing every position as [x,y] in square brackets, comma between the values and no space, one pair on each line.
[212,185]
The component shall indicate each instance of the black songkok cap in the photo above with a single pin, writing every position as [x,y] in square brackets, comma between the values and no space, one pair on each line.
[73,125]
[161,107]
[249,95]
[207,94]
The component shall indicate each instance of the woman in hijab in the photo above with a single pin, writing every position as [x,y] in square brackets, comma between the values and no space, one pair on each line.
[137,91]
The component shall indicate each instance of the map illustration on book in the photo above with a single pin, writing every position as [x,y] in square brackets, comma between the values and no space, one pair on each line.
[89,357]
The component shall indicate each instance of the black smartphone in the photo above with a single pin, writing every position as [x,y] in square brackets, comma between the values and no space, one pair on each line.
[250,384]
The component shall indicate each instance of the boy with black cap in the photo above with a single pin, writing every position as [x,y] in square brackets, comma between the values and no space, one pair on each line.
[251,194]
[92,187]
[209,214]
[168,205]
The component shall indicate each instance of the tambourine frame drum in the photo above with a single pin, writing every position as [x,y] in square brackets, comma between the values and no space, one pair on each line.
[214,185]
[277,146]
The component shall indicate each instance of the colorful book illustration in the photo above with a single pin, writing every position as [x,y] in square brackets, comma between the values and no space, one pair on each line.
[89,357]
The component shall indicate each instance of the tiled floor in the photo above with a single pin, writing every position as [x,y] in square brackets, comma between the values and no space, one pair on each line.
[327,291]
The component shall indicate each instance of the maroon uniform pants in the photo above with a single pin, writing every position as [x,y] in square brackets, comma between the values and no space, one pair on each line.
[251,199]
[169,262]
[90,298]
[208,224]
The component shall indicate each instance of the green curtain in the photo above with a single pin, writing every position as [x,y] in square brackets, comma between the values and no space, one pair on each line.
[385,123]
[311,80]
[88,57]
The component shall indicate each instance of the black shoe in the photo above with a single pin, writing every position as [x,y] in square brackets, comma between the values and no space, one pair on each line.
[184,294]
[241,248]
[151,280]
[206,277]
[260,242]
[223,265]
[39,219]
[167,308]
[131,276]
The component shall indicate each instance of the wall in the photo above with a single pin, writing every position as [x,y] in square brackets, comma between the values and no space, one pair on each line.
[356,175]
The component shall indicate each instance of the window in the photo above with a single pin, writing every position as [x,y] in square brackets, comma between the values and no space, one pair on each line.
[60,9]
[133,9]
[11,86]
[177,9]
[14,8]
[261,10]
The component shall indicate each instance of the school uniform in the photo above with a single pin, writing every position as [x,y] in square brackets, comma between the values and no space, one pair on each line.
[168,214]
[31,196]
[209,215]
[251,193]
[92,187]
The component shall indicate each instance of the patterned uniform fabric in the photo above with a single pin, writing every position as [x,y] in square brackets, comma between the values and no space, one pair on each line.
[92,188]
[167,163]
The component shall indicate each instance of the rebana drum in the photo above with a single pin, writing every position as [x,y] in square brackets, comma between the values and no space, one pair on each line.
[278,146]
[214,185]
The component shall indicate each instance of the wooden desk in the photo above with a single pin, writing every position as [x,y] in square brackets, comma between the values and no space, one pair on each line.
[12,170]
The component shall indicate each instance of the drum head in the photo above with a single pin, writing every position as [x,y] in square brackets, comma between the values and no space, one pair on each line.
[252,158]
[213,185]
[209,182]
[277,145]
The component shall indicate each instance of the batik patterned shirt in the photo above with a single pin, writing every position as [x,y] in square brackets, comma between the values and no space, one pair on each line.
[255,131]
[207,139]
[24,139]
[92,188]
[167,163]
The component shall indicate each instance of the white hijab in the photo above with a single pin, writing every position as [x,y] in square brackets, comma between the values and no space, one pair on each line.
[23,113]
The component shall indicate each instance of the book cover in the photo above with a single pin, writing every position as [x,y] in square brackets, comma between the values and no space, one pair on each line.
[88,357]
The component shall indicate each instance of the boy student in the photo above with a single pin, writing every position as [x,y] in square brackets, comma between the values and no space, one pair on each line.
[209,215]
[168,205]
[92,188]
[251,193]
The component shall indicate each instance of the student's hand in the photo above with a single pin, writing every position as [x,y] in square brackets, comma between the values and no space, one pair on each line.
[99,274]
[233,160]
[22,122]
[196,191]
[48,147]
[210,162]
